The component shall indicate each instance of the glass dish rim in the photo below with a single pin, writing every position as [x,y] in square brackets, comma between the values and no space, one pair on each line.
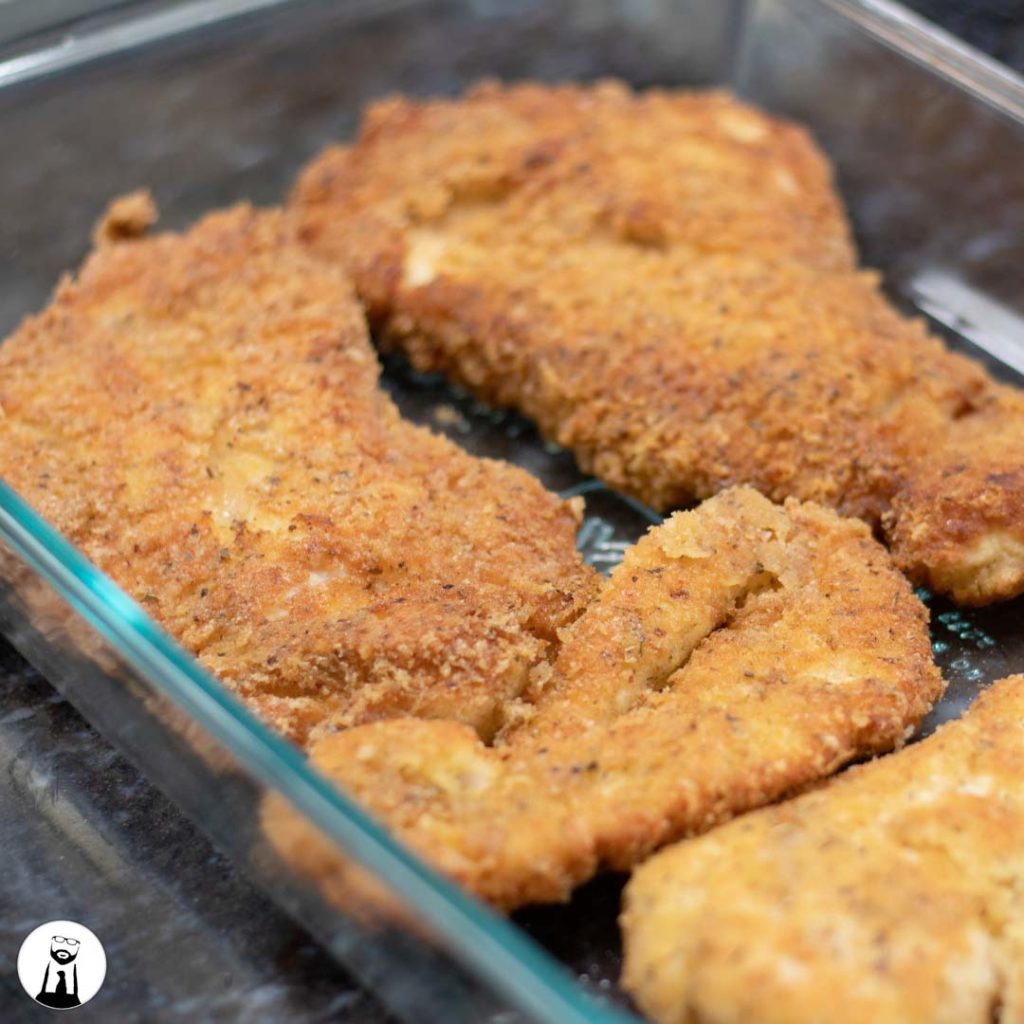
[493,948]
[926,43]
[888,21]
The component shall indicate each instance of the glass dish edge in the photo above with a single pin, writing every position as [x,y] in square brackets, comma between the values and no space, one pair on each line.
[490,946]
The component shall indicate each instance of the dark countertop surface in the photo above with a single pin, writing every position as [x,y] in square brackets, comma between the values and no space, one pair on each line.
[187,937]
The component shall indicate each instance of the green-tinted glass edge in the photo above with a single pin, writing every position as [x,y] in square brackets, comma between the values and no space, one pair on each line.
[492,948]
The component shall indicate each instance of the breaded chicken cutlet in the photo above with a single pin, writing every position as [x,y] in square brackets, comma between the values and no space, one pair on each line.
[201,415]
[895,893]
[665,282]
[741,651]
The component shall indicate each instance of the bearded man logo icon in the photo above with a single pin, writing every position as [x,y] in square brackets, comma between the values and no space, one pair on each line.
[62,964]
[64,951]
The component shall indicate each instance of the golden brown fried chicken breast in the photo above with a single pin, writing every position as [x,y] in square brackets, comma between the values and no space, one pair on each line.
[201,415]
[896,893]
[666,284]
[740,651]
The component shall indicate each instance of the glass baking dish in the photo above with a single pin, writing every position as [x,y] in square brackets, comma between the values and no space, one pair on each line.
[210,102]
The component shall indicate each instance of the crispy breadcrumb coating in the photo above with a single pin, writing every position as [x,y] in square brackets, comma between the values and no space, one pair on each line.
[896,893]
[201,415]
[666,284]
[741,650]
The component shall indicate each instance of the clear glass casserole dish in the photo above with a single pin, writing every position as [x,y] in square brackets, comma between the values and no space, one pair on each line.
[210,102]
